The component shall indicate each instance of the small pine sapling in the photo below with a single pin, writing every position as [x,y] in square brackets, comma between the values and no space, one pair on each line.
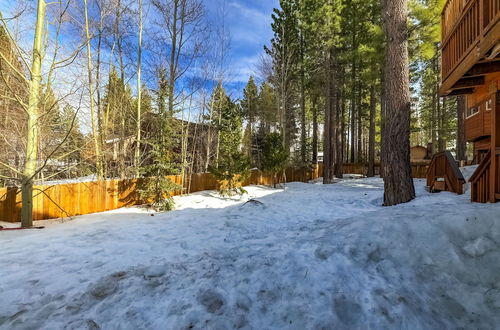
[231,168]
[157,188]
[231,174]
[274,156]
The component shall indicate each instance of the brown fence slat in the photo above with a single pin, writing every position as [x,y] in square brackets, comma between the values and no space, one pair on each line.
[90,197]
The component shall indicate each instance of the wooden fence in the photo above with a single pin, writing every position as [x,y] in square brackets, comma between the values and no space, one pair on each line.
[418,169]
[65,200]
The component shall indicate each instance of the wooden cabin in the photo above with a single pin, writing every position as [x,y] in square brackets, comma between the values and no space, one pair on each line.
[471,66]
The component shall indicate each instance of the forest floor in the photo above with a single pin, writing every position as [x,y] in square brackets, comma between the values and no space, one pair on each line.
[308,256]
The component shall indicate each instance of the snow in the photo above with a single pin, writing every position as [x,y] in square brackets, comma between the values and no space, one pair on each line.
[88,178]
[308,256]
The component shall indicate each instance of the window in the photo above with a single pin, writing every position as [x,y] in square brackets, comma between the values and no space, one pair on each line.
[472,111]
[488,104]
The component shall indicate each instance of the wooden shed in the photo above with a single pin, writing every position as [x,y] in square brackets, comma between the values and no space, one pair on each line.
[419,153]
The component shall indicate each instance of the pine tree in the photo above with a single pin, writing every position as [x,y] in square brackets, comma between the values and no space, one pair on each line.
[163,159]
[398,183]
[284,52]
[249,107]
[232,167]
[267,107]
[274,156]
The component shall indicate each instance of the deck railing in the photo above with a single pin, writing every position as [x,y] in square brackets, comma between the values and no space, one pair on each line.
[490,10]
[463,24]
[481,180]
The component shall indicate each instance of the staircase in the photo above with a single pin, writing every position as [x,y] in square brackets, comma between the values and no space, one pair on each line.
[485,182]
[444,175]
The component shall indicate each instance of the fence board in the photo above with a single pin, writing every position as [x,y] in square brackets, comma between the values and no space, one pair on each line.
[66,200]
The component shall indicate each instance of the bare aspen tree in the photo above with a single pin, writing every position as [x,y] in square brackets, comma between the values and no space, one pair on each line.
[93,118]
[103,11]
[137,156]
[41,105]
[181,27]
[30,164]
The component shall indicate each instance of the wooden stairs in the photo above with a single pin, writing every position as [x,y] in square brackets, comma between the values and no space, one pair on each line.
[485,182]
[444,175]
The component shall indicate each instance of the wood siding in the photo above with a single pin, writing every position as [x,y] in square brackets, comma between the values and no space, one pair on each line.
[479,125]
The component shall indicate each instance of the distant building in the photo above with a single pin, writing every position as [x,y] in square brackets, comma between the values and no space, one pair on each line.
[201,143]
[419,153]
[320,156]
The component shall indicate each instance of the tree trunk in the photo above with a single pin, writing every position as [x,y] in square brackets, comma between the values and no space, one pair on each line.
[303,135]
[173,54]
[461,143]
[32,114]
[435,118]
[441,144]
[383,116]
[124,111]
[95,134]
[359,131]
[328,138]
[352,129]
[315,130]
[398,183]
[337,170]
[354,110]
[371,137]
[137,155]
[98,84]
[342,144]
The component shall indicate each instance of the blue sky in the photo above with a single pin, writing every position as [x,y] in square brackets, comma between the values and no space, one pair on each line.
[249,23]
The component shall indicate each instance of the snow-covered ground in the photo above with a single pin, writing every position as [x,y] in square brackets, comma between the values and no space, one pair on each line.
[308,256]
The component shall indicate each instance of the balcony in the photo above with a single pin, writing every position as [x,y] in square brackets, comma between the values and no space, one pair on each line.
[470,44]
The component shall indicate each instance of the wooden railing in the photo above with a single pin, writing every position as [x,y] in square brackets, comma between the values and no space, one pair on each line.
[481,180]
[444,175]
[463,24]
[450,15]
[491,8]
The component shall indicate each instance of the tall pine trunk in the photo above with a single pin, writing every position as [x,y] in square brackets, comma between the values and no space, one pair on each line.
[398,183]
[359,131]
[342,141]
[328,138]
[337,137]
[315,130]
[303,135]
[30,164]
[371,136]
